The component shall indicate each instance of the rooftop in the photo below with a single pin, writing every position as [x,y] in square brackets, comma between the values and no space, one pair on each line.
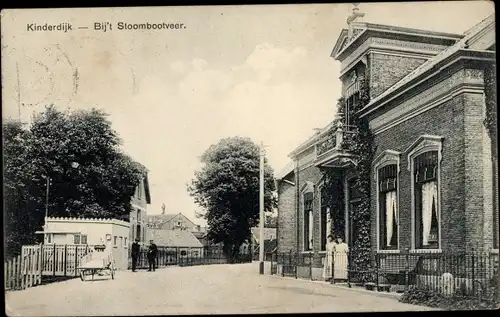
[173,238]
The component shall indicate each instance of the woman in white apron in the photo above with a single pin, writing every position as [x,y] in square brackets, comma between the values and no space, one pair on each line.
[341,251]
[327,266]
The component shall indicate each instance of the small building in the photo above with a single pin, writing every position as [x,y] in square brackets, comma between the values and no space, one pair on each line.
[183,240]
[178,222]
[270,241]
[89,231]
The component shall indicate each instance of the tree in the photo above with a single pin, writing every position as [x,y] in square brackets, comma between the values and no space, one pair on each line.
[227,188]
[80,154]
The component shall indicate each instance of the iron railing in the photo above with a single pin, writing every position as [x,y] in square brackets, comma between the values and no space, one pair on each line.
[468,274]
[167,256]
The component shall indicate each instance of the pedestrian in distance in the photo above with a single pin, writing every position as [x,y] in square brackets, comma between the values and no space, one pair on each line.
[136,249]
[152,253]
[341,251]
[327,268]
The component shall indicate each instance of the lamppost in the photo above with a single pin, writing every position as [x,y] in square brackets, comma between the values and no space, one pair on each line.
[261,205]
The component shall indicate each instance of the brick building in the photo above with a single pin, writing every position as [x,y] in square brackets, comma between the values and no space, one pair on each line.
[434,176]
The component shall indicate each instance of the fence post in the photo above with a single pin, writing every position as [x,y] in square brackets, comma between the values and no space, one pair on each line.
[407,267]
[473,258]
[311,258]
[377,262]
[54,261]
[65,262]
[332,269]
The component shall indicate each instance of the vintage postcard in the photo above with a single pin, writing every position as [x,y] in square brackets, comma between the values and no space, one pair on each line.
[250,159]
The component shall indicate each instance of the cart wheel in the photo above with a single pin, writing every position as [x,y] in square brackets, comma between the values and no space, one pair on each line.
[82,275]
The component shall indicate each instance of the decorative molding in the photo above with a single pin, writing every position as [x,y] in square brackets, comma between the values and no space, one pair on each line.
[391,51]
[473,78]
[389,44]
[420,110]
[425,143]
[385,158]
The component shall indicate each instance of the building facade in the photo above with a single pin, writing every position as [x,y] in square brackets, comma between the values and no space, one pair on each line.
[138,217]
[89,231]
[434,174]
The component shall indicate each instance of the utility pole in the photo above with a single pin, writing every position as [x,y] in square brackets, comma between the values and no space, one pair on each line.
[261,206]
[47,197]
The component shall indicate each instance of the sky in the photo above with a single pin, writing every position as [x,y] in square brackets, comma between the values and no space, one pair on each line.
[262,72]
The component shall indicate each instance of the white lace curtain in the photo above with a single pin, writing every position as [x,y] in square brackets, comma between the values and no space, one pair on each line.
[391,213]
[311,224]
[429,196]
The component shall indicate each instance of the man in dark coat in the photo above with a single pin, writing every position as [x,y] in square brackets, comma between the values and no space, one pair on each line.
[152,253]
[136,249]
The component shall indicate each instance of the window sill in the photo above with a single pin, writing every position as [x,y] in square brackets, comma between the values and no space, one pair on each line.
[322,252]
[388,251]
[426,251]
[307,252]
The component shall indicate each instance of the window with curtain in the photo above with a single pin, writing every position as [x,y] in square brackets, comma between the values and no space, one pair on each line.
[325,218]
[426,200]
[308,221]
[388,207]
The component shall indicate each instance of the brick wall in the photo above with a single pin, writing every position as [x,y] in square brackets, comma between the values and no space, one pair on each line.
[448,121]
[286,217]
[386,70]
[310,174]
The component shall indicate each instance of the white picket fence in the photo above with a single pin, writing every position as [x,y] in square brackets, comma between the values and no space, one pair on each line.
[26,270]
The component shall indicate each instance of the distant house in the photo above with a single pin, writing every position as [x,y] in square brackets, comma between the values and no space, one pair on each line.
[138,216]
[269,240]
[89,231]
[183,240]
[178,222]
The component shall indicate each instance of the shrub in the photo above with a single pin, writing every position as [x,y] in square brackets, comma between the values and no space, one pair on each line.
[435,299]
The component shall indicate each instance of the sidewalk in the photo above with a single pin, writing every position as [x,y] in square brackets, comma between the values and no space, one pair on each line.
[344,286]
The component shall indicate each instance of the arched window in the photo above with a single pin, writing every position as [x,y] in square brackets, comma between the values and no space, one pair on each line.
[387,178]
[424,164]
[308,221]
[388,207]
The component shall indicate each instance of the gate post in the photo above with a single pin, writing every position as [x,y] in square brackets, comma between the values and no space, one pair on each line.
[65,262]
[407,268]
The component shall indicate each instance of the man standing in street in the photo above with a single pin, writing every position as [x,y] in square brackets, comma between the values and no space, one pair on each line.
[152,253]
[136,249]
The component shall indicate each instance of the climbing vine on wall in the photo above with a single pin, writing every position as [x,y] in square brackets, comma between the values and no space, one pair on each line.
[359,143]
[490,89]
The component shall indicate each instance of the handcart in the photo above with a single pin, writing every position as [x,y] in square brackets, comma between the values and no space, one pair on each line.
[98,262]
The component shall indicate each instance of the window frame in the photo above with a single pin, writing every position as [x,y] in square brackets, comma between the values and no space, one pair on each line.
[424,144]
[387,158]
[307,189]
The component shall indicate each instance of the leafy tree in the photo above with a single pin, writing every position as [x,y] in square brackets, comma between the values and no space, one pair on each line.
[227,188]
[79,154]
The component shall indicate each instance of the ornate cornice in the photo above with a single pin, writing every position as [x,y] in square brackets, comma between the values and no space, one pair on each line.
[406,109]
[423,49]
